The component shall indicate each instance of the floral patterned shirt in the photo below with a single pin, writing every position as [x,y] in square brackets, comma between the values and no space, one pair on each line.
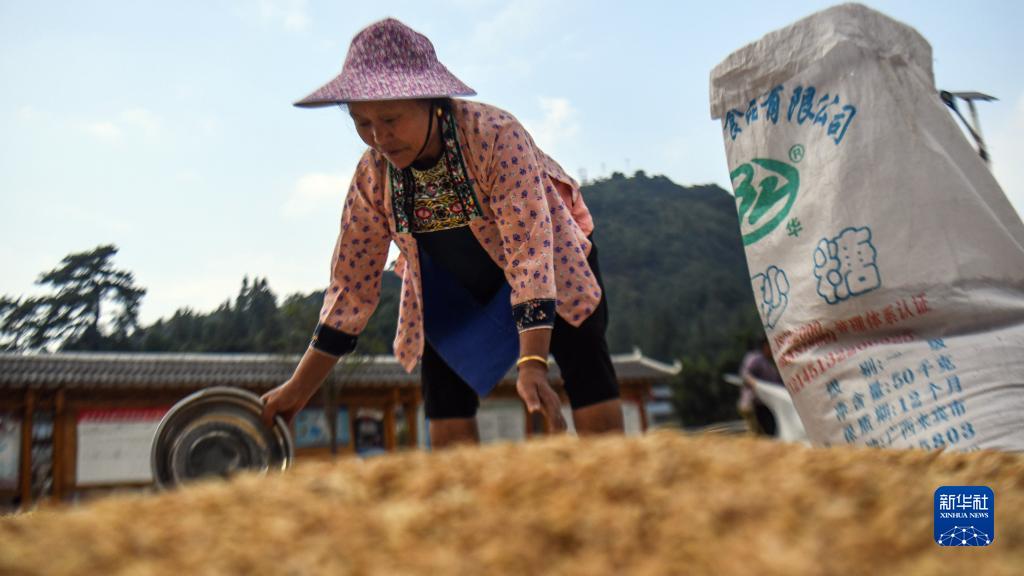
[523,209]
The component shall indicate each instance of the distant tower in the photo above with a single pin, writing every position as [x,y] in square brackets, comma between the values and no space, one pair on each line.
[583,177]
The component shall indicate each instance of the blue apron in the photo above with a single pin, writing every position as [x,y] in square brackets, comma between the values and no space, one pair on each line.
[477,341]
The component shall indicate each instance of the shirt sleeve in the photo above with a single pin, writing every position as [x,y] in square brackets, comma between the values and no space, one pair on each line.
[520,206]
[332,342]
[357,262]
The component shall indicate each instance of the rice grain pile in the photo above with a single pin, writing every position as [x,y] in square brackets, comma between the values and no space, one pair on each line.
[662,504]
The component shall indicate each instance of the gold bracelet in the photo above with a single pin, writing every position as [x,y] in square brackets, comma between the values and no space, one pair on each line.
[525,359]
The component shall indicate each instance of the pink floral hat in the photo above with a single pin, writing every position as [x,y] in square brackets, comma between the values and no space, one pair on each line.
[388,61]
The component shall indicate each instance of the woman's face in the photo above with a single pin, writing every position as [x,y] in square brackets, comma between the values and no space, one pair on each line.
[395,128]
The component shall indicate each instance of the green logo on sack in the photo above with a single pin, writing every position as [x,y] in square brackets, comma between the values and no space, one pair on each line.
[764,204]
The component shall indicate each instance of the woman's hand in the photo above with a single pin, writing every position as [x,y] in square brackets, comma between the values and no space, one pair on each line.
[286,401]
[532,386]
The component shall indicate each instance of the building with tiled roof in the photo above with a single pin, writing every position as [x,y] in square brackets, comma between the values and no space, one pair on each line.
[81,419]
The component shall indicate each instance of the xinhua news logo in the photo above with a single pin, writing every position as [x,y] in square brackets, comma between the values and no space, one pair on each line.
[964,516]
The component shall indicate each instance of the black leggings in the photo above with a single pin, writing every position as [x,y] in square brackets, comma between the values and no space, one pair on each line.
[581,353]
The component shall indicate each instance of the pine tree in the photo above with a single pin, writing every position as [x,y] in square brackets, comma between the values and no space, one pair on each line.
[71,315]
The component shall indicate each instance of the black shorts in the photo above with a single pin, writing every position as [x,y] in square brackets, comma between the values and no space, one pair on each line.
[581,353]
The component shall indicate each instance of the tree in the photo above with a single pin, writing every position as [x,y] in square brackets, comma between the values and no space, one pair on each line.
[18,324]
[71,314]
[256,309]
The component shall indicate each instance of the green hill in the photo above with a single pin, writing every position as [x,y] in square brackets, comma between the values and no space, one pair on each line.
[674,266]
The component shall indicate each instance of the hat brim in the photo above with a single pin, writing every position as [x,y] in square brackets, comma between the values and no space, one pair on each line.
[341,91]
[310,102]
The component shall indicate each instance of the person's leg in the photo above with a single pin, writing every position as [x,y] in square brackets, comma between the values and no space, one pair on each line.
[449,403]
[765,418]
[452,431]
[599,418]
[751,421]
[586,366]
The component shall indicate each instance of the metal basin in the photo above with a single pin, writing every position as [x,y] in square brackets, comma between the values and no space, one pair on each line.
[217,432]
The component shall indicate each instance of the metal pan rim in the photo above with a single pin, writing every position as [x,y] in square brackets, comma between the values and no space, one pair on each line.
[237,396]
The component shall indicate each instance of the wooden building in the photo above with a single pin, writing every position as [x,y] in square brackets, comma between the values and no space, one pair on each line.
[72,424]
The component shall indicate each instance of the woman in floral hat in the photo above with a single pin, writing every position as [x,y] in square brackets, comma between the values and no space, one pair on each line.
[497,265]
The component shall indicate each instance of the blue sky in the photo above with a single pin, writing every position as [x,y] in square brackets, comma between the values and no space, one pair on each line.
[166,128]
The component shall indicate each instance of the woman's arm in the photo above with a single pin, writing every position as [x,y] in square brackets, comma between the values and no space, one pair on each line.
[356,268]
[519,201]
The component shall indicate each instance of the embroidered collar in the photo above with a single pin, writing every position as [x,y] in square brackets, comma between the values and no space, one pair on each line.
[403,182]
[436,173]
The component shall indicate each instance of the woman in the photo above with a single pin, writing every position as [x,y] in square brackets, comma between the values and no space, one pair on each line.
[496,262]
